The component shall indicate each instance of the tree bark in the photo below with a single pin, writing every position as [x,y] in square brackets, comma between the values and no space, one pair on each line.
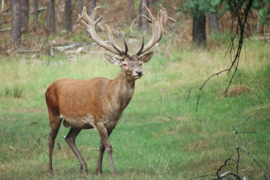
[24,15]
[16,22]
[36,11]
[51,16]
[143,24]
[68,12]
[91,6]
[154,4]
[198,31]
[79,6]
[213,23]
[132,10]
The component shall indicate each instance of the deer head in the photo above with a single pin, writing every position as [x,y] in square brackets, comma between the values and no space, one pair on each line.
[130,65]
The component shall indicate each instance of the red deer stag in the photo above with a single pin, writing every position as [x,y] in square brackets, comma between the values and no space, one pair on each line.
[99,103]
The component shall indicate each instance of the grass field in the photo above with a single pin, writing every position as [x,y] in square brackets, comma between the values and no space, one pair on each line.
[160,135]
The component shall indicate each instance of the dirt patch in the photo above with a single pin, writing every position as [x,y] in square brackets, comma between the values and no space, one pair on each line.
[234,91]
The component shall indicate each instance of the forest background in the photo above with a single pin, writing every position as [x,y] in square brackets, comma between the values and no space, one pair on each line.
[179,125]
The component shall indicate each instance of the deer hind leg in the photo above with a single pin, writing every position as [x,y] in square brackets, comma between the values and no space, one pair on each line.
[70,139]
[55,125]
[104,145]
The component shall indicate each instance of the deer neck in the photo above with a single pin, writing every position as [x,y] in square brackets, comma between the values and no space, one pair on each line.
[120,91]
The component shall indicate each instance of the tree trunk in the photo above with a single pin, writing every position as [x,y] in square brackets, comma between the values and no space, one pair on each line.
[36,11]
[198,31]
[213,23]
[68,13]
[91,6]
[16,22]
[50,16]
[143,24]
[79,6]
[153,2]
[154,5]
[24,15]
[131,10]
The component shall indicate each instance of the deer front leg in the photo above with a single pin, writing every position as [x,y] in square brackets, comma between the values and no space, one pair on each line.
[101,152]
[100,157]
[104,145]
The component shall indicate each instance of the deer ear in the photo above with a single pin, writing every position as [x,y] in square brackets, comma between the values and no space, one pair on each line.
[145,58]
[112,59]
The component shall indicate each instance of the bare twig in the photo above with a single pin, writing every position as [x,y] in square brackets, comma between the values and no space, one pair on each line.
[79,177]
[200,89]
[207,175]
[254,159]
[229,173]
[258,140]
[58,144]
[69,170]
[40,139]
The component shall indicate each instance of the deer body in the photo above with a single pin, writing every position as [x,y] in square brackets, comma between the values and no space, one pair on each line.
[99,103]
[82,103]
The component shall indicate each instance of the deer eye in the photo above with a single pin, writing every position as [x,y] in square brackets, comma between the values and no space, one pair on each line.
[124,64]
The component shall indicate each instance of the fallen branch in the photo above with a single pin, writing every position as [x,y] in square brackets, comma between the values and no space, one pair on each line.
[29,51]
[5,30]
[39,10]
[63,48]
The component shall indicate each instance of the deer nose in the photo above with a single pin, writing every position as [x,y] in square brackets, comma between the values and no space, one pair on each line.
[139,72]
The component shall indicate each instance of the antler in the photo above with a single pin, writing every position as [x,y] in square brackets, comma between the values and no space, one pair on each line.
[91,28]
[157,27]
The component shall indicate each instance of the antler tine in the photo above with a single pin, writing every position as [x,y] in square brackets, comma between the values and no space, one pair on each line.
[155,37]
[91,28]
[125,40]
[157,27]
[116,47]
[164,15]
[94,13]
[142,45]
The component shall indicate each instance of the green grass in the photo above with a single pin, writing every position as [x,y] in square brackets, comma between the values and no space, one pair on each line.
[160,135]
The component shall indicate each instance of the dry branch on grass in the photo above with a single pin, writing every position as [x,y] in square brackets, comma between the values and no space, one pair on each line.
[69,170]
[40,139]
[234,159]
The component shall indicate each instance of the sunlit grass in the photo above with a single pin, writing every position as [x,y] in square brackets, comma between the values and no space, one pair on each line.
[160,135]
